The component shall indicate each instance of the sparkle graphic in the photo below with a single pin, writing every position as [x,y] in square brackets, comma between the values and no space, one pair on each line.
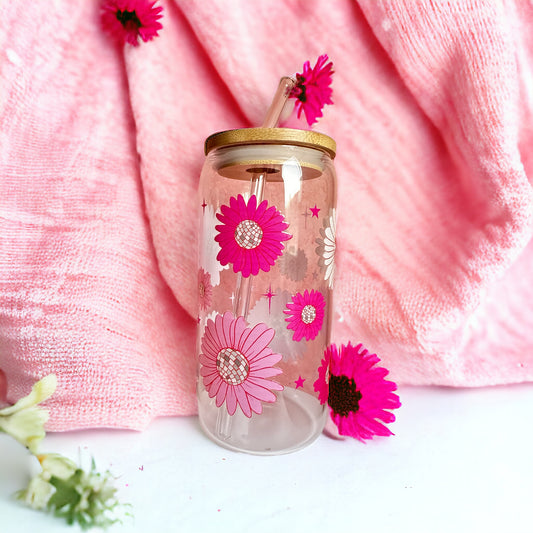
[204,205]
[306,214]
[282,342]
[269,295]
[299,382]
[315,211]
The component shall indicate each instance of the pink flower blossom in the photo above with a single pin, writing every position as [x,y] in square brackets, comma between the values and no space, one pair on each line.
[127,20]
[236,363]
[312,90]
[250,236]
[205,289]
[306,314]
[356,391]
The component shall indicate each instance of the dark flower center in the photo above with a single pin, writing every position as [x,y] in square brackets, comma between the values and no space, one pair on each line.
[301,87]
[128,19]
[343,395]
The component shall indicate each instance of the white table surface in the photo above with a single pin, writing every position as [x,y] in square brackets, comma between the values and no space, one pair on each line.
[461,461]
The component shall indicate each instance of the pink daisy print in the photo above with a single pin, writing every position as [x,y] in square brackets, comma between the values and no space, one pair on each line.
[250,236]
[356,391]
[236,363]
[306,314]
[127,20]
[205,289]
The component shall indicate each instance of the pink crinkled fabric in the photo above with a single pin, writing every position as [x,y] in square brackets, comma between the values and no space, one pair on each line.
[101,149]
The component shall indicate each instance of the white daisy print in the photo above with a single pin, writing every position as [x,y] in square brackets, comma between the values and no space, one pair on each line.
[326,248]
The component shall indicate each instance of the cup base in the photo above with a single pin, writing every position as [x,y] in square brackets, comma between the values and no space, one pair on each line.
[291,423]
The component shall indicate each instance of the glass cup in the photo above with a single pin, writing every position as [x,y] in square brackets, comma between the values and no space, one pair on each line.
[266,267]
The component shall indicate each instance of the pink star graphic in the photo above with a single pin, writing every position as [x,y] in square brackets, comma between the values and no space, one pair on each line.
[300,382]
[315,211]
[269,295]
[204,205]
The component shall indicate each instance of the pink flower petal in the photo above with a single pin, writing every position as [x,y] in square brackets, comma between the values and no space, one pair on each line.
[261,209]
[215,387]
[229,216]
[263,383]
[313,89]
[249,261]
[221,393]
[212,383]
[251,206]
[254,341]
[242,400]
[127,21]
[267,372]
[255,404]
[208,371]
[354,375]
[231,400]
[227,331]
[263,361]
[265,395]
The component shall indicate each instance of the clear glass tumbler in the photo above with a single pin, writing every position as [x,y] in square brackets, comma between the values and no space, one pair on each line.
[266,267]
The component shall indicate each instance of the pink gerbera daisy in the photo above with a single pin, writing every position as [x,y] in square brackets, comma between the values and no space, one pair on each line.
[127,20]
[306,314]
[312,90]
[236,363]
[250,236]
[356,391]
[205,289]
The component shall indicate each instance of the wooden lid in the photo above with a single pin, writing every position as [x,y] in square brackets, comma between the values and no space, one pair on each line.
[247,136]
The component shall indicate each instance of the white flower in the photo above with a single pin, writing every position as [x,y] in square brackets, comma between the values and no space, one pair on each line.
[25,420]
[326,248]
[37,494]
[85,497]
[54,464]
[209,248]
[40,490]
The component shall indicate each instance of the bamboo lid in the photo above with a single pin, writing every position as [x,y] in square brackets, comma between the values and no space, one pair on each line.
[247,136]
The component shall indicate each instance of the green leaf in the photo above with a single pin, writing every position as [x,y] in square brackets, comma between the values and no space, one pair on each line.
[66,493]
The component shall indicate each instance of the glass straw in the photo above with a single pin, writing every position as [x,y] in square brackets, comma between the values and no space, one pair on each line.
[257,186]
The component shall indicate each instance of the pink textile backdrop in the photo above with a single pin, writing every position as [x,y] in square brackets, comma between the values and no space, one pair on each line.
[101,149]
